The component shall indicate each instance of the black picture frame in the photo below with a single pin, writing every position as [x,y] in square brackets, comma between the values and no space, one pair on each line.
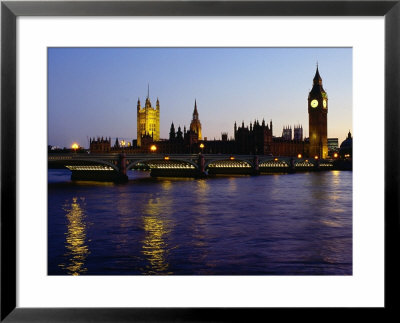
[10,10]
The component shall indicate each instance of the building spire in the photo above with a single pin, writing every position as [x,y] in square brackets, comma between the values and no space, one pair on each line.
[317,78]
[195,113]
[148,90]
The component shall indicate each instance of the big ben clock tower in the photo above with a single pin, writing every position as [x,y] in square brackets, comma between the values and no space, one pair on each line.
[318,118]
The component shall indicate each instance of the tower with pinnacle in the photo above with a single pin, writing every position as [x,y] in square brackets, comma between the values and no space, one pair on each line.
[148,120]
[318,118]
[195,124]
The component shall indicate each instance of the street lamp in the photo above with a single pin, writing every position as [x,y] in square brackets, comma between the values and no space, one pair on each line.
[153,148]
[299,156]
[75,146]
[201,147]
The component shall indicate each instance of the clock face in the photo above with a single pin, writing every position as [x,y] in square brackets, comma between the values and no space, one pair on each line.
[324,103]
[314,103]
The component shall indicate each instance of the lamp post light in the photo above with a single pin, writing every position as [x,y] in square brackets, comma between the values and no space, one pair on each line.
[123,144]
[201,147]
[75,146]
[153,148]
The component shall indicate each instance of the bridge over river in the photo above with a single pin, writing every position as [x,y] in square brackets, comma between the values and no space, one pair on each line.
[115,166]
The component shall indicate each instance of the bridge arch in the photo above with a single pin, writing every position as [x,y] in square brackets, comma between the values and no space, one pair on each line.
[304,163]
[274,162]
[229,162]
[65,162]
[162,161]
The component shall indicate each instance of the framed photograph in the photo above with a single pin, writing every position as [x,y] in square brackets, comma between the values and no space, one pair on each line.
[194,160]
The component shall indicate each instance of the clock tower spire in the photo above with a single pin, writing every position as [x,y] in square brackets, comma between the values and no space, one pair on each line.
[318,118]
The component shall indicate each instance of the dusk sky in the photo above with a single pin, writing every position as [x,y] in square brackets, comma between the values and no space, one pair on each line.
[93,91]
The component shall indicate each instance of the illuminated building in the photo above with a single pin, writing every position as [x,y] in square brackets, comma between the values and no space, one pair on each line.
[257,138]
[318,118]
[195,125]
[148,120]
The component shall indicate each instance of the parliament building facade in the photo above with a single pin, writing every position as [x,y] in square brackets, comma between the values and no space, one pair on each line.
[255,138]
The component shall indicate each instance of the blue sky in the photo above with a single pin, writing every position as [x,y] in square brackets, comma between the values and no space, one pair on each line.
[93,91]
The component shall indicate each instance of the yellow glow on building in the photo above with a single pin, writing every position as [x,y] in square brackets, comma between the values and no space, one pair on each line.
[195,124]
[148,121]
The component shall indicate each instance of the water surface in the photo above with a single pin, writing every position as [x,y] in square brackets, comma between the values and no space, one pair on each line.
[284,224]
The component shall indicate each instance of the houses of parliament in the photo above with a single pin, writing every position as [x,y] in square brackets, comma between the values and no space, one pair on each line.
[255,138]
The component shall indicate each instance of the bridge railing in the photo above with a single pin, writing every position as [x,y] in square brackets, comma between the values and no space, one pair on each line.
[113,156]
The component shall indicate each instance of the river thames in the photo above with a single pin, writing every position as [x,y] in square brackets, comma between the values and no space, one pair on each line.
[281,224]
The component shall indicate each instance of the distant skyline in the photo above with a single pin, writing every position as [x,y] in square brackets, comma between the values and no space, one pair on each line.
[93,91]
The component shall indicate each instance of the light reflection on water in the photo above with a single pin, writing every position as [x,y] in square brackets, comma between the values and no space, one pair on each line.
[297,224]
[155,225]
[75,238]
